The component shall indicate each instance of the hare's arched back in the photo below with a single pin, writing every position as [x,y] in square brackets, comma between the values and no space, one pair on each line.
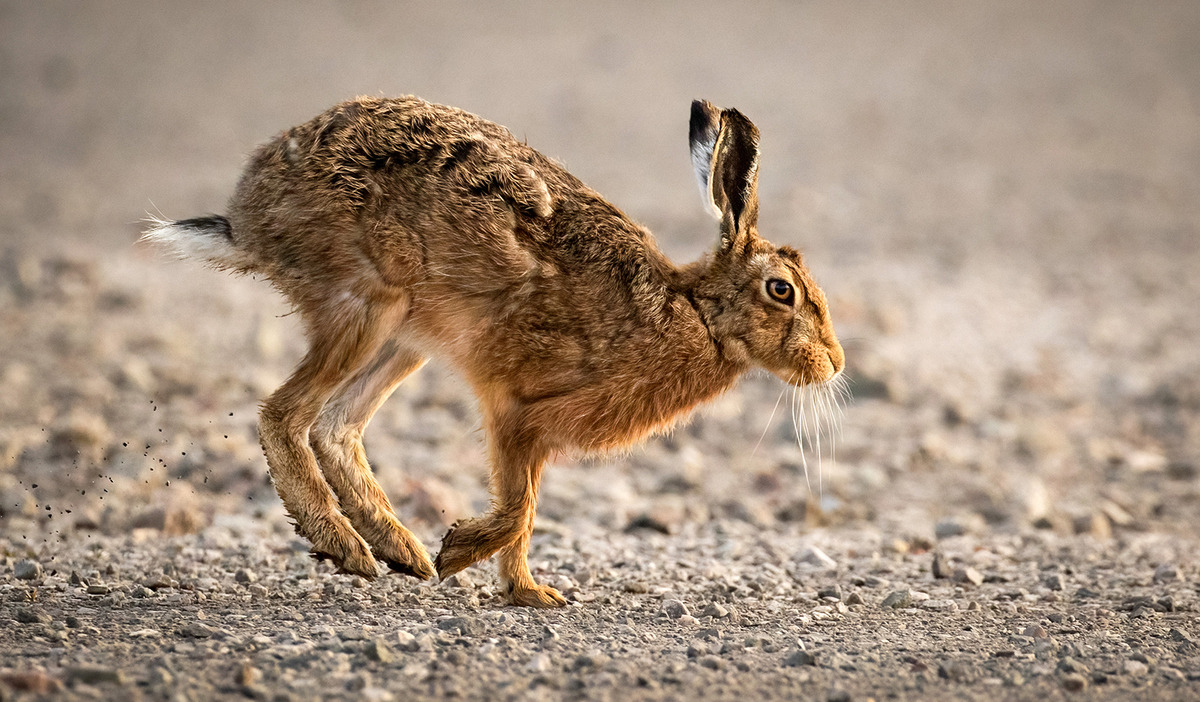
[400,229]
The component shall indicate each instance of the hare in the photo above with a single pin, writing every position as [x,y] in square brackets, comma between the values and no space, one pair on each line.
[401,229]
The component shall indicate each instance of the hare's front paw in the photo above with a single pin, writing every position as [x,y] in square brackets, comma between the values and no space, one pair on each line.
[468,542]
[536,595]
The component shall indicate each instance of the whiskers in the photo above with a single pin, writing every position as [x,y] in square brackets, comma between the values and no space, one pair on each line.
[817,410]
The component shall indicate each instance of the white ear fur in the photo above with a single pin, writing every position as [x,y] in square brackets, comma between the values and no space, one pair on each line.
[704,130]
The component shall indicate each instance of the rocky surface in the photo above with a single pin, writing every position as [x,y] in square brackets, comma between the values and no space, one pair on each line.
[1001,203]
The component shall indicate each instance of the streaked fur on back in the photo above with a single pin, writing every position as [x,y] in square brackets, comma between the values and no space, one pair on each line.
[401,229]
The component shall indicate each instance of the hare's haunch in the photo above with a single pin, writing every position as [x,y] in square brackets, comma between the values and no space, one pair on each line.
[401,229]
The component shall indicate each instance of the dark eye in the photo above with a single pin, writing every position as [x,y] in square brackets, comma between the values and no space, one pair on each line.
[781,291]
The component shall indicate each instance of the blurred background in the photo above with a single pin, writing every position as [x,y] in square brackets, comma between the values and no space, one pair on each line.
[1001,201]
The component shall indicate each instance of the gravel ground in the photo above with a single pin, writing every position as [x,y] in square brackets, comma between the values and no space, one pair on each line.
[1000,200]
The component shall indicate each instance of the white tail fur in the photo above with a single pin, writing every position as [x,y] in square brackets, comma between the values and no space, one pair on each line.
[207,239]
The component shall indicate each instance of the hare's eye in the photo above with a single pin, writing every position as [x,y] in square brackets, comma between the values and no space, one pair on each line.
[781,291]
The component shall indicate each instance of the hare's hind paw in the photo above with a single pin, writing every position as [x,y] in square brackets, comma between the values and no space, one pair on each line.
[542,596]
[397,547]
[350,555]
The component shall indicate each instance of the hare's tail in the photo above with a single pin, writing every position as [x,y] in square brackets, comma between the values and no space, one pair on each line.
[208,239]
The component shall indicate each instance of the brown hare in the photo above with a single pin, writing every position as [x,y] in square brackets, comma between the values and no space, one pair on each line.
[401,229]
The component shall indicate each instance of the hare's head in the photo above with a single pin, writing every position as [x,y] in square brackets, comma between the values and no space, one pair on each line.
[759,301]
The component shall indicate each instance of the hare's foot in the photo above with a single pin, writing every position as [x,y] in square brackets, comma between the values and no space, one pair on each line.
[396,546]
[534,595]
[344,547]
[468,542]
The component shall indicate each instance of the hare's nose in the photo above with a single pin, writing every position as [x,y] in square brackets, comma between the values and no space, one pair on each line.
[837,358]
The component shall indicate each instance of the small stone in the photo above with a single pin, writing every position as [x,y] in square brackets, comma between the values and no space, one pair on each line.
[459,625]
[815,556]
[1181,636]
[799,658]
[833,592]
[715,611]
[897,599]
[1167,573]
[196,630]
[948,528]
[956,671]
[1069,665]
[1135,668]
[98,589]
[549,634]
[378,651]
[854,599]
[25,615]
[1035,631]
[1181,470]
[1053,581]
[26,569]
[540,663]
[405,641]
[459,580]
[93,675]
[940,568]
[968,575]
[1074,682]
[711,662]
[259,592]
[245,576]
[674,609]
[838,695]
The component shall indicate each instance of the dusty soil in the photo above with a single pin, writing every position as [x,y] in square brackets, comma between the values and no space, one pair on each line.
[1000,199]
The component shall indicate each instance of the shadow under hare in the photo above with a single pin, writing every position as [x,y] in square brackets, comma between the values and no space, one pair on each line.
[401,229]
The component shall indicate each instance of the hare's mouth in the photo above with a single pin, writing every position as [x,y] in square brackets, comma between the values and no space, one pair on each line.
[816,409]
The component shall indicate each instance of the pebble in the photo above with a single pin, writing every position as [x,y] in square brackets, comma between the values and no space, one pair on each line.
[378,651]
[245,576]
[26,569]
[816,557]
[93,675]
[1134,668]
[968,575]
[854,599]
[463,626]
[1054,581]
[1074,682]
[940,567]
[799,658]
[1167,573]
[27,615]
[98,589]
[833,592]
[196,630]
[405,641]
[956,671]
[897,599]
[947,528]
[674,609]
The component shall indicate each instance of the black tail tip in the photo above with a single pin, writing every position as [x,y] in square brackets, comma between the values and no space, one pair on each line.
[214,225]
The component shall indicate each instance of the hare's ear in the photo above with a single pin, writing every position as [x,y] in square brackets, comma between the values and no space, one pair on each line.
[724,147]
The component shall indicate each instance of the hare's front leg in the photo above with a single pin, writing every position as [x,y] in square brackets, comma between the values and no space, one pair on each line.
[337,441]
[517,462]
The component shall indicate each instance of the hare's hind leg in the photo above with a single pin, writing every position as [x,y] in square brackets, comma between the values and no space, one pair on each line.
[517,462]
[339,340]
[337,441]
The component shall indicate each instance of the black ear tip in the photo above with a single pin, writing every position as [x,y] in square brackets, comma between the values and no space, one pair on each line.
[705,119]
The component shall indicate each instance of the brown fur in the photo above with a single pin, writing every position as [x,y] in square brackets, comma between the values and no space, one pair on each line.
[401,229]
